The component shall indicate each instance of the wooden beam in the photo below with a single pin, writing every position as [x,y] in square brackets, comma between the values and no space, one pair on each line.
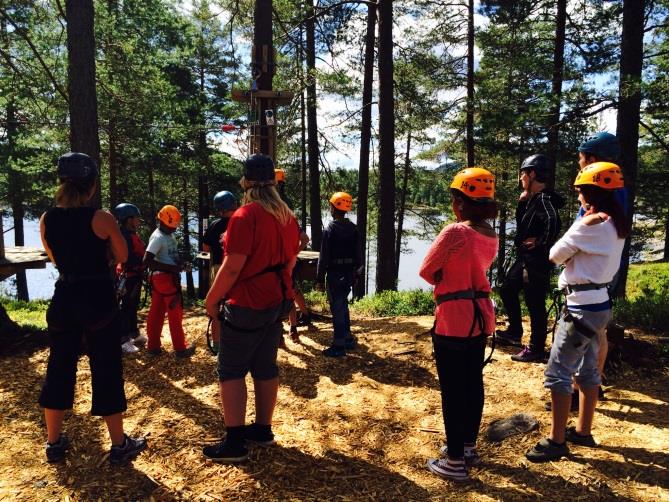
[281,97]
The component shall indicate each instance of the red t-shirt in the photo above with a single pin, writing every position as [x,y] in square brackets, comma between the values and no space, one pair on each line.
[254,232]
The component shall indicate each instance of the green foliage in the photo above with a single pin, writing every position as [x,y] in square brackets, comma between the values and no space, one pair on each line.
[31,315]
[395,303]
[646,305]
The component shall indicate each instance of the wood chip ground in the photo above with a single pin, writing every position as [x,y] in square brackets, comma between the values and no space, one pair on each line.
[351,429]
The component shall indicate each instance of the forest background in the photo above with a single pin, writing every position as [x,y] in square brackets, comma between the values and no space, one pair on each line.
[528,76]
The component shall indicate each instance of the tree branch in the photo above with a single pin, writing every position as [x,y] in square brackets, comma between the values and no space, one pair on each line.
[25,37]
[657,137]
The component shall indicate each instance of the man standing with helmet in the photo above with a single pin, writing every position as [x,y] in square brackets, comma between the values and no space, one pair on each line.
[129,276]
[225,204]
[537,228]
[340,261]
[162,258]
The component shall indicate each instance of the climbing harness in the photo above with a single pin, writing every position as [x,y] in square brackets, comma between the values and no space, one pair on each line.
[473,295]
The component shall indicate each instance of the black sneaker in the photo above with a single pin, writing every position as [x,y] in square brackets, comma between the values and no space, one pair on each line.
[547,450]
[226,453]
[303,319]
[186,353]
[334,351]
[507,337]
[56,452]
[527,355]
[128,451]
[258,434]
[350,343]
[580,439]
[155,352]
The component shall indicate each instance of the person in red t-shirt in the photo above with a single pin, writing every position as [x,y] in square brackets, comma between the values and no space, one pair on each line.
[251,293]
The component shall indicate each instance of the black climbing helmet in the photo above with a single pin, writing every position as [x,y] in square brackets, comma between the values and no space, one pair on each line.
[603,145]
[259,167]
[126,210]
[540,164]
[224,201]
[76,166]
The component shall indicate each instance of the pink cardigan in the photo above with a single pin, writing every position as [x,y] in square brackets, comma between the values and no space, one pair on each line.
[463,255]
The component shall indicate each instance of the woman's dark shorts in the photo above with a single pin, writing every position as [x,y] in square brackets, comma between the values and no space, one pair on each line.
[249,342]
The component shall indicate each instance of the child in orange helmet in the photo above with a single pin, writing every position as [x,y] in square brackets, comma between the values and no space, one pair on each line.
[162,258]
[591,251]
[456,265]
[340,261]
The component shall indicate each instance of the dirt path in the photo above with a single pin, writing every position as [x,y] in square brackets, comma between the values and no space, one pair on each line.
[359,428]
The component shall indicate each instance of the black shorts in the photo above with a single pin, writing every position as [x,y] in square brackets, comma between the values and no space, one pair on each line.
[249,342]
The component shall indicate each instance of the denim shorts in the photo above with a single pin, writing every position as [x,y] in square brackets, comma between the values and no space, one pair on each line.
[575,350]
[249,342]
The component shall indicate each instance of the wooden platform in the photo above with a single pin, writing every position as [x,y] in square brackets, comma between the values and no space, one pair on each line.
[307,262]
[21,258]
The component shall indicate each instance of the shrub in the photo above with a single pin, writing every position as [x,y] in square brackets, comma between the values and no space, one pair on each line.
[396,303]
[648,309]
[31,315]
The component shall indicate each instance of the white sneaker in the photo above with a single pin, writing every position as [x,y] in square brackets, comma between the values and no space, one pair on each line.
[129,347]
[140,339]
[455,470]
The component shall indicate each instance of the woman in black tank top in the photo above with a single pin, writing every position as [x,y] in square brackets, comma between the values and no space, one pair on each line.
[80,240]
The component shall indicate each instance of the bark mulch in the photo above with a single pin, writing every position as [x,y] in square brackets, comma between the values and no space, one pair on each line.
[357,428]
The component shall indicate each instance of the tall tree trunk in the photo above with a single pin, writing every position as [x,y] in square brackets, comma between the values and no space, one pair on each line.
[113,157]
[312,132]
[303,134]
[556,87]
[19,240]
[152,188]
[83,101]
[14,176]
[365,140]
[263,55]
[471,160]
[202,182]
[665,254]
[16,195]
[403,198]
[501,250]
[629,106]
[190,284]
[386,277]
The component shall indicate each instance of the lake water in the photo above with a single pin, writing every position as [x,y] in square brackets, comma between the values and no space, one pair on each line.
[41,281]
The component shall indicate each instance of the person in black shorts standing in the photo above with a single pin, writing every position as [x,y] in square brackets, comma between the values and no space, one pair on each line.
[79,239]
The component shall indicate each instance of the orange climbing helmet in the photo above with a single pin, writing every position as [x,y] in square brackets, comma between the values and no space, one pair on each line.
[476,183]
[169,216]
[342,201]
[279,175]
[606,175]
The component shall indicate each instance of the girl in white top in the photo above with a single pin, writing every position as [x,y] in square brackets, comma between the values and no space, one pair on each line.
[591,251]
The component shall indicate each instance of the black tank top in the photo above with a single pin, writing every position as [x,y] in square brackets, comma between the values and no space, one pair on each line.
[75,247]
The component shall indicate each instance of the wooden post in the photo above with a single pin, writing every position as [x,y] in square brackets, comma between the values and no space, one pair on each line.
[2,239]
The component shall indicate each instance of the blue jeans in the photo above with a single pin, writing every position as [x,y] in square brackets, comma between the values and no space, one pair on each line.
[575,353]
[339,285]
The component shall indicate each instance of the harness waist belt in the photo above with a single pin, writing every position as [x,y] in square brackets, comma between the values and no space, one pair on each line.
[72,278]
[465,294]
[589,286]
[342,261]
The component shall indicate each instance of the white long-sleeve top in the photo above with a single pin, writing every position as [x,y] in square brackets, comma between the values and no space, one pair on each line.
[591,254]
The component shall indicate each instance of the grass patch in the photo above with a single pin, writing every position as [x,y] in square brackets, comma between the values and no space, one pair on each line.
[396,303]
[29,315]
[646,305]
